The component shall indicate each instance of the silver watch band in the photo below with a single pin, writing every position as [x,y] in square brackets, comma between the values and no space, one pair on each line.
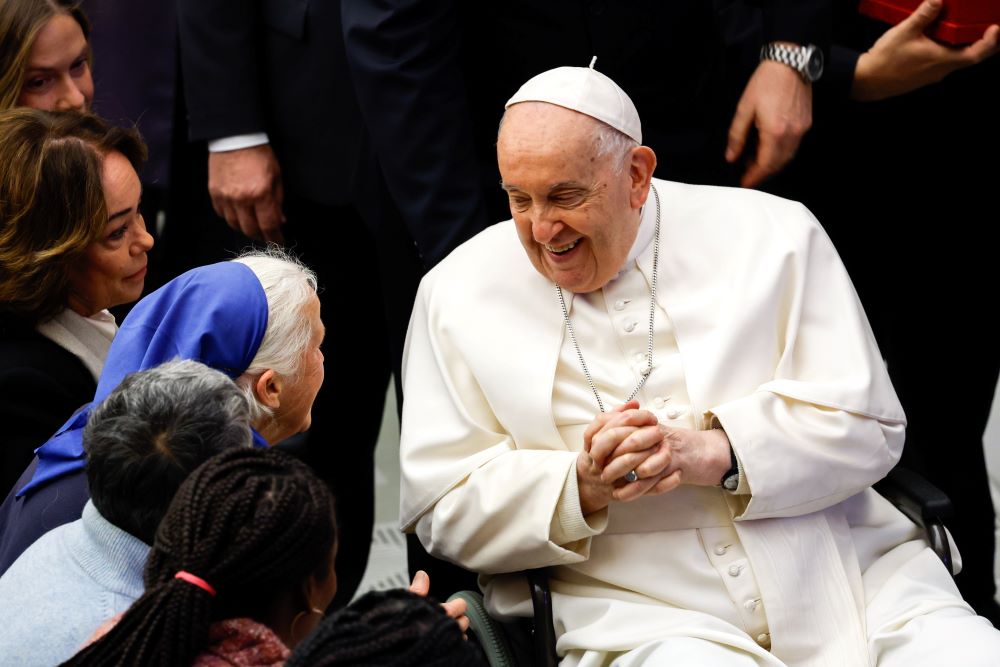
[806,60]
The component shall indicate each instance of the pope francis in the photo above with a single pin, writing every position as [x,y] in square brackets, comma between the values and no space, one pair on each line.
[670,395]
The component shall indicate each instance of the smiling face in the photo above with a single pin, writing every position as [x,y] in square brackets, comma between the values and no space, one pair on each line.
[576,217]
[57,76]
[113,268]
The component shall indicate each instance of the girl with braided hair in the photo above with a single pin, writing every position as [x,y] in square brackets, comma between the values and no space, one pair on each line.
[242,565]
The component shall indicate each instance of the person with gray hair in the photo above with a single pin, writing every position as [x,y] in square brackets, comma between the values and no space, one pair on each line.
[668,396]
[256,319]
[142,441]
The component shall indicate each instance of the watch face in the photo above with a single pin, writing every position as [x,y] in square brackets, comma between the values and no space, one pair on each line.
[814,66]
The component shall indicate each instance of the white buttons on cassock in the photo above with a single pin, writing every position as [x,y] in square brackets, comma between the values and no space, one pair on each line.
[734,570]
[621,303]
[673,413]
[763,639]
[721,550]
[630,326]
[751,605]
[658,402]
[639,357]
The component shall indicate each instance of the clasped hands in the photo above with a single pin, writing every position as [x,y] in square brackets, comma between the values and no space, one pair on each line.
[663,457]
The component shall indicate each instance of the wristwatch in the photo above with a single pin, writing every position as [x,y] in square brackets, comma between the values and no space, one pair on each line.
[731,480]
[806,60]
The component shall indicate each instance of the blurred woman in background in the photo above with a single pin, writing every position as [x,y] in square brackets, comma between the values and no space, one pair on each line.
[44,55]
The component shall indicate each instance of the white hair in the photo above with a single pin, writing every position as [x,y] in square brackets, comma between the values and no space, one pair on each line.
[614,144]
[288,286]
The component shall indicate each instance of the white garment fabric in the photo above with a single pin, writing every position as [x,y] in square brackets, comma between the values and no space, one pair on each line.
[88,338]
[759,328]
[238,142]
[612,329]
[686,652]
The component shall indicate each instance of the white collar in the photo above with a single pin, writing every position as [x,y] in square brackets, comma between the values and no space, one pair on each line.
[88,338]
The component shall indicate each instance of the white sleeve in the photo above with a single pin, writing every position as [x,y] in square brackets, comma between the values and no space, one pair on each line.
[472,495]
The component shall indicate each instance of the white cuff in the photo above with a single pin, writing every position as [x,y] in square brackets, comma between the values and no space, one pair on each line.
[569,525]
[237,142]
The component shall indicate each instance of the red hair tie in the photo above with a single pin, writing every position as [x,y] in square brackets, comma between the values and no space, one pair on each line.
[195,580]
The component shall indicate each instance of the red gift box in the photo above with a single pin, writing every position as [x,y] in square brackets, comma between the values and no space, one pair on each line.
[960,21]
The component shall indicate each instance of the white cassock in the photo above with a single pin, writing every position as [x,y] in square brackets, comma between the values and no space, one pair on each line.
[757,329]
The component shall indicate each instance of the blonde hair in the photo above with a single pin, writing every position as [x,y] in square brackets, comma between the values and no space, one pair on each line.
[20,23]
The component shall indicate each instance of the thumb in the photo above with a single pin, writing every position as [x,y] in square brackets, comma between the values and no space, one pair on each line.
[924,15]
[738,131]
[421,584]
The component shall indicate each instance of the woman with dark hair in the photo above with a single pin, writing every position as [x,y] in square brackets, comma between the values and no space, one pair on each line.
[44,55]
[51,348]
[240,571]
[72,245]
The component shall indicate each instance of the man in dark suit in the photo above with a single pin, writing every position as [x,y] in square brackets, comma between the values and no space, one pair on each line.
[267,87]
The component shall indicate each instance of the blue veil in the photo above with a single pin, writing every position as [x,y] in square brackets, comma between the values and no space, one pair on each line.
[214,314]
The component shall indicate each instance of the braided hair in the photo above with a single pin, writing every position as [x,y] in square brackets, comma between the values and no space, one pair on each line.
[250,524]
[387,629]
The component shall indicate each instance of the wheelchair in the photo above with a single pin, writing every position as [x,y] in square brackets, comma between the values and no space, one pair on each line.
[532,642]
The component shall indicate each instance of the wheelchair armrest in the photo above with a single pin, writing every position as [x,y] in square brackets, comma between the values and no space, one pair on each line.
[507,645]
[923,503]
[488,631]
[544,633]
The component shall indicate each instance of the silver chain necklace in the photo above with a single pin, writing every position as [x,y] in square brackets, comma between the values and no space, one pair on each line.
[652,313]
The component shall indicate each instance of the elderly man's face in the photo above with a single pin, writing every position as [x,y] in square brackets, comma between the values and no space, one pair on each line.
[576,217]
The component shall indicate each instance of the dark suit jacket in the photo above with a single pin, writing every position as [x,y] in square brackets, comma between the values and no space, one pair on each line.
[285,73]
[275,66]
[432,77]
[41,385]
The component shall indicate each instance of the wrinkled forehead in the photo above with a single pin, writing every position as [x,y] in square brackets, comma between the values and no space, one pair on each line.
[542,119]
[542,131]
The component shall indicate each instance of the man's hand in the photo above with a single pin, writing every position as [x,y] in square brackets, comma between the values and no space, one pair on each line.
[455,609]
[778,102]
[602,436]
[245,186]
[677,456]
[904,58]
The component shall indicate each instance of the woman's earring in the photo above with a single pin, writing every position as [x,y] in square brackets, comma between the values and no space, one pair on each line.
[298,617]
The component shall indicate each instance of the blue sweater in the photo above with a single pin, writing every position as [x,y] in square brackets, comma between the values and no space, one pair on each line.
[64,586]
